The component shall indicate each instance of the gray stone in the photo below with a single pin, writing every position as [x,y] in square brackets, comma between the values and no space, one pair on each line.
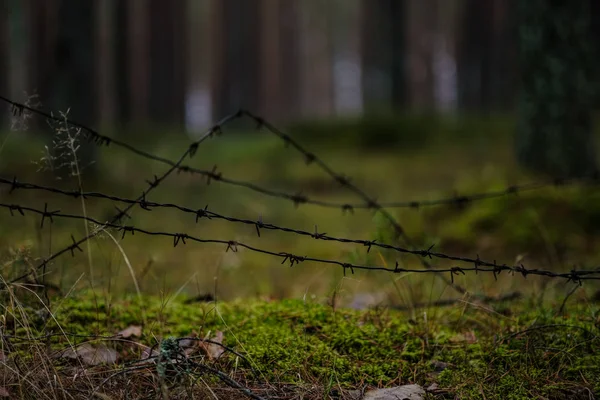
[406,392]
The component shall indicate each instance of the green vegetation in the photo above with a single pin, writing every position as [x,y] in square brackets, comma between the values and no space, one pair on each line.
[513,352]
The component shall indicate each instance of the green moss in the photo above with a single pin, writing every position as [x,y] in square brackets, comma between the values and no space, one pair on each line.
[292,341]
[531,221]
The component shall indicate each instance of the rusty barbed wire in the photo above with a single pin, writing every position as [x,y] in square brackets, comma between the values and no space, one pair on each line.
[309,157]
[299,198]
[258,224]
[345,181]
[574,275]
[152,184]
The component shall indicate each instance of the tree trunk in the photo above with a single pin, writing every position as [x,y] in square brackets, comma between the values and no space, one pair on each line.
[474,56]
[105,63]
[316,61]
[138,65]
[557,92]
[4,60]
[168,62]
[270,106]
[279,59]
[41,22]
[383,53]
[422,21]
[236,72]
[289,50]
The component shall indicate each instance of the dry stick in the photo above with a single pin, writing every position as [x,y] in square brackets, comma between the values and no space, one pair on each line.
[310,157]
[191,150]
[297,199]
[205,213]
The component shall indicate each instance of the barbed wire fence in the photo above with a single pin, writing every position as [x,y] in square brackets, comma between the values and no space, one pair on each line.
[118,221]
[477,264]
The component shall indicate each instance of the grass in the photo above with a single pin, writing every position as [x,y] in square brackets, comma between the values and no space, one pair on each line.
[295,326]
[470,351]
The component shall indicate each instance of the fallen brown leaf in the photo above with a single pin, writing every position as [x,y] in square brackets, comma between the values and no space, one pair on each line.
[133,330]
[213,350]
[91,355]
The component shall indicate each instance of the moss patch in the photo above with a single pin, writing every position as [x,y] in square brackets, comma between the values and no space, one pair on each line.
[471,352]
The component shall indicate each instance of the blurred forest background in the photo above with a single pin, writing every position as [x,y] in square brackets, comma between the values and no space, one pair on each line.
[186,63]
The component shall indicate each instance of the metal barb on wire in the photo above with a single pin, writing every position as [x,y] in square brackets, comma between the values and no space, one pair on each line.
[459,200]
[577,276]
[259,224]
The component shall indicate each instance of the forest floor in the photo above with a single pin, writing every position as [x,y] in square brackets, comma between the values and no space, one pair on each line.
[313,330]
[148,347]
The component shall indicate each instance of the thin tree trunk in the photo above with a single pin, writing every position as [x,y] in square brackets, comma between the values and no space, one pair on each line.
[383,53]
[289,87]
[236,56]
[168,62]
[316,60]
[422,21]
[4,60]
[138,44]
[42,24]
[105,63]
[270,60]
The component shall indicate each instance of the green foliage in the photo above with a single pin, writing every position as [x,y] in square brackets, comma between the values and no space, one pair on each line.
[402,131]
[537,219]
[558,88]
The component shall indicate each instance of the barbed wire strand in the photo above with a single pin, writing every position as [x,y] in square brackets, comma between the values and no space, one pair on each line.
[299,198]
[190,151]
[310,157]
[293,259]
[345,181]
[259,224]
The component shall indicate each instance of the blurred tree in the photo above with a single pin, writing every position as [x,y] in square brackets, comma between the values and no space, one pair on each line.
[383,53]
[105,62]
[316,61]
[422,29]
[3,59]
[595,25]
[138,59]
[289,63]
[557,88]
[168,61]
[41,32]
[486,57]
[71,84]
[236,53]
[475,53]
[279,59]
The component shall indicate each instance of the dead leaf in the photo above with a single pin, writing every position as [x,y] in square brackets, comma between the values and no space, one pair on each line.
[189,344]
[91,355]
[4,392]
[146,354]
[213,350]
[133,330]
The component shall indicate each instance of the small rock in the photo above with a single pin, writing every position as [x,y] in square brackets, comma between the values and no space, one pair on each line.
[405,392]
[439,366]
[434,387]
